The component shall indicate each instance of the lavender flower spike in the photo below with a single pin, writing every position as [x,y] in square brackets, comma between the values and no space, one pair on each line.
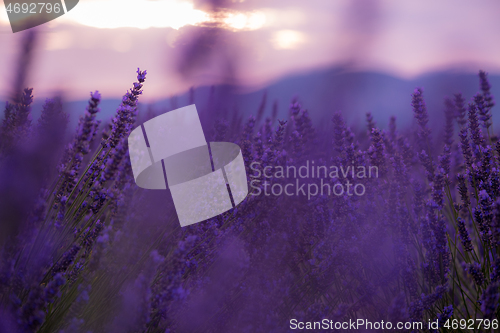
[17,120]
[475,131]
[464,235]
[461,112]
[421,115]
[490,298]
[483,110]
[88,125]
[445,315]
[477,274]
[485,87]
[449,114]
[126,113]
[465,147]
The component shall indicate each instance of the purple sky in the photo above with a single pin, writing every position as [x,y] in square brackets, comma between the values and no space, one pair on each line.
[261,41]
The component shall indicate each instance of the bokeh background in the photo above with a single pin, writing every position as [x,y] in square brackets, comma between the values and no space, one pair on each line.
[117,253]
[357,56]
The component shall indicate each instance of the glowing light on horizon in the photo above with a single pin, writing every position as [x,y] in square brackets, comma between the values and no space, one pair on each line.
[141,14]
[288,39]
[245,21]
[4,19]
[144,14]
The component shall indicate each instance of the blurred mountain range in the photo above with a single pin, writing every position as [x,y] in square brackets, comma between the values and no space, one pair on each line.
[321,92]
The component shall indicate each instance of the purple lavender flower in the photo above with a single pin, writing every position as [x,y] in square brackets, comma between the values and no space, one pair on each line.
[87,127]
[53,120]
[52,290]
[449,114]
[484,217]
[167,287]
[90,235]
[482,109]
[485,87]
[438,188]
[461,111]
[418,201]
[490,300]
[220,129]
[464,235]
[485,165]
[475,131]
[338,132]
[494,183]
[246,142]
[17,120]
[296,141]
[420,114]
[73,155]
[376,151]
[369,122]
[465,147]
[495,271]
[445,315]
[268,130]
[409,277]
[428,164]
[121,124]
[476,272]
[407,152]
[305,128]
[445,163]
[417,308]
[258,146]
[249,128]
[279,135]
[141,75]
[66,260]
[32,313]
[329,256]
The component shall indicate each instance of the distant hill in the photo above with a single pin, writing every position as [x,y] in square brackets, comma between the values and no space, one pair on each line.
[323,92]
[354,93]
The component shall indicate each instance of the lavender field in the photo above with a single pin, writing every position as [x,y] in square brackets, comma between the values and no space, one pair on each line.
[83,249]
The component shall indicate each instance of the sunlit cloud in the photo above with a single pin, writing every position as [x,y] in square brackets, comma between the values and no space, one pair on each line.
[144,14]
[140,14]
[244,21]
[4,19]
[288,39]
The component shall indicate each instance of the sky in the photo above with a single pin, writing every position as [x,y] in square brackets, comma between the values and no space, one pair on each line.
[100,43]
